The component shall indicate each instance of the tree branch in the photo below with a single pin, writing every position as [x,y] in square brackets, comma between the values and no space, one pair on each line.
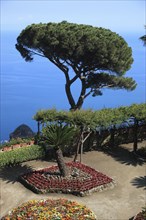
[106,86]
[86,137]
[86,95]
[74,78]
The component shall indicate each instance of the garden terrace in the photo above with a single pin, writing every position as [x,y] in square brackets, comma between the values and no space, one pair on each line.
[106,205]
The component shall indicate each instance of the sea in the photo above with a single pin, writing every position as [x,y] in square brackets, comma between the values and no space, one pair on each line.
[27,87]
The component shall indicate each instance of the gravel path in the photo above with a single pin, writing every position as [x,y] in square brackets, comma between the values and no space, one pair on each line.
[119,203]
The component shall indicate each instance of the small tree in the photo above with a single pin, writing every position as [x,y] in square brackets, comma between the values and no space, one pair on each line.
[57,136]
[98,57]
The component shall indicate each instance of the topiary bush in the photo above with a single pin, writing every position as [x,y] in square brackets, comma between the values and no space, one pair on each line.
[21,155]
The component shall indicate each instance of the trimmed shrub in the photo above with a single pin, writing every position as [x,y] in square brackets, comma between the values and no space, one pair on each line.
[21,155]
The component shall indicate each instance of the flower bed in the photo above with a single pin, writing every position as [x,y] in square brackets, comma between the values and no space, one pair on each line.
[60,209]
[82,180]
[16,143]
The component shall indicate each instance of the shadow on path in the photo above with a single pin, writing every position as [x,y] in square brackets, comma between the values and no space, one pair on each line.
[11,174]
[122,155]
[139,182]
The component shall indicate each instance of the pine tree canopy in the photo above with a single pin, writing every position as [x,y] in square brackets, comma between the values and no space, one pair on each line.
[98,57]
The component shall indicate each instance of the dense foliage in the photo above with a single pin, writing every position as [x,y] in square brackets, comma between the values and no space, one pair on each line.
[98,57]
[92,119]
[21,155]
[58,135]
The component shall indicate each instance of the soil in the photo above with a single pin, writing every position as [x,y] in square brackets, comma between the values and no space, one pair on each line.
[120,203]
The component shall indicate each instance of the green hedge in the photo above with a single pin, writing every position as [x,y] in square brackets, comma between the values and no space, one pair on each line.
[21,155]
[90,118]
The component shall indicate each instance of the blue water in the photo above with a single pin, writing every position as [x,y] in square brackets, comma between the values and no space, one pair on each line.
[28,87]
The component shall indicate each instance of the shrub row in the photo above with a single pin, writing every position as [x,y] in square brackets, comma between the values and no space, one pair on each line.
[21,155]
[16,141]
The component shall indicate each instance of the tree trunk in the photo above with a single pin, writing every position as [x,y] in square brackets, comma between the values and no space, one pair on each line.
[75,106]
[82,95]
[82,144]
[69,96]
[61,164]
[38,128]
[77,151]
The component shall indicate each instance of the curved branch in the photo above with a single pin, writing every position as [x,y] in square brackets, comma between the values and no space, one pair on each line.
[65,70]
[87,94]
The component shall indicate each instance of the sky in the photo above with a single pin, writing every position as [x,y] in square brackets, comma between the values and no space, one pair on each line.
[118,15]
